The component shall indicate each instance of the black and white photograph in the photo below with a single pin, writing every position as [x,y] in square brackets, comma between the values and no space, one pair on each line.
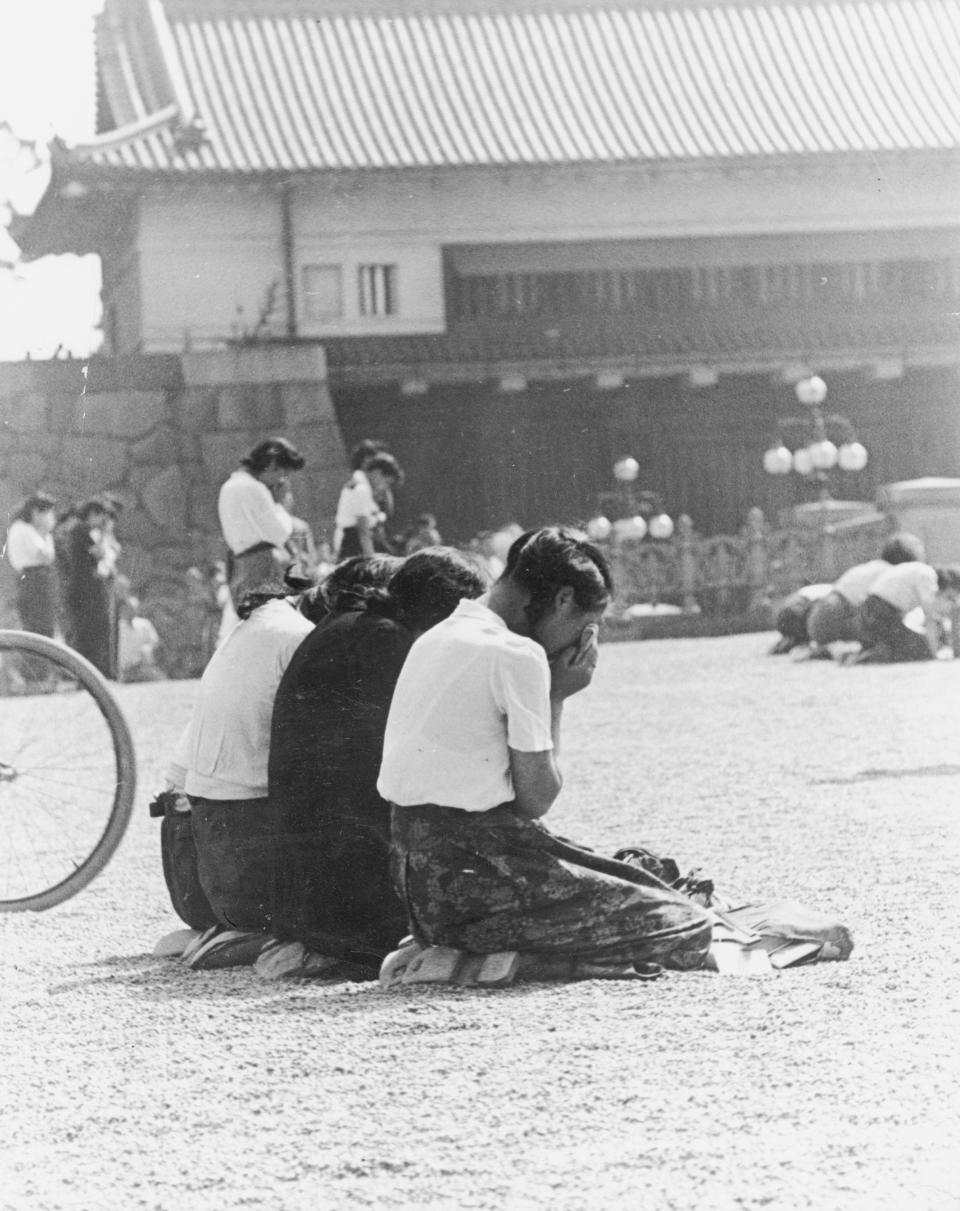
[479,605]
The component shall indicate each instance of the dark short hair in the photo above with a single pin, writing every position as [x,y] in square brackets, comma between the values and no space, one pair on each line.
[902,548]
[387,465]
[263,593]
[428,586]
[354,582]
[363,451]
[94,505]
[39,502]
[275,450]
[312,605]
[948,579]
[547,560]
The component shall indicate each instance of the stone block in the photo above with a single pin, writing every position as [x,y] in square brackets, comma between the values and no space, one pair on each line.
[164,499]
[137,529]
[322,446]
[305,403]
[61,410]
[11,498]
[202,507]
[138,477]
[128,414]
[188,448]
[137,564]
[222,453]
[316,495]
[250,406]
[48,444]
[25,412]
[15,377]
[161,446]
[195,409]
[28,470]
[255,364]
[93,463]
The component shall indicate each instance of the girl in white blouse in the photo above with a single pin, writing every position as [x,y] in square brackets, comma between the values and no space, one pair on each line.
[30,552]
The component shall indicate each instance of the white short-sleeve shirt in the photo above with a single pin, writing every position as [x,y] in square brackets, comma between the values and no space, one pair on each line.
[469,691]
[356,501]
[26,547]
[907,586]
[224,751]
[854,585]
[249,515]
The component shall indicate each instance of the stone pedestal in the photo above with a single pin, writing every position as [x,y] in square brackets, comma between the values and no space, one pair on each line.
[929,508]
[820,514]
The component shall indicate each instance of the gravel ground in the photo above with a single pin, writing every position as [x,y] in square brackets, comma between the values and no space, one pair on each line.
[131,1082]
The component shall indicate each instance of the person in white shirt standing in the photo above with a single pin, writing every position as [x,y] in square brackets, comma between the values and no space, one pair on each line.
[255,530]
[30,552]
[470,765]
[360,510]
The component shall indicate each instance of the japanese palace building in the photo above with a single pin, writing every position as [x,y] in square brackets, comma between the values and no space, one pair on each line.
[534,236]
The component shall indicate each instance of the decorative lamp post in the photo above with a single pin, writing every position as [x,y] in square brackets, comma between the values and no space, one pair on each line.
[638,514]
[816,444]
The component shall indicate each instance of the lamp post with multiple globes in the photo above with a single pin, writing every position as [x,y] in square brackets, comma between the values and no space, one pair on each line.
[639,514]
[819,443]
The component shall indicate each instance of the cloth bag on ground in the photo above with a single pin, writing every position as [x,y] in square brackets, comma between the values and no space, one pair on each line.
[790,934]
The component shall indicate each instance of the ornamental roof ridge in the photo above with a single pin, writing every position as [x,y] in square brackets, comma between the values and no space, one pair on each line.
[168,116]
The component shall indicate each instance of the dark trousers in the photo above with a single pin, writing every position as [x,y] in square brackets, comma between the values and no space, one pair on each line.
[37,600]
[91,632]
[334,891]
[883,632]
[178,853]
[236,859]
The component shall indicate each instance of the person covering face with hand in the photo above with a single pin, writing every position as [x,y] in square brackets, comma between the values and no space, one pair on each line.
[470,763]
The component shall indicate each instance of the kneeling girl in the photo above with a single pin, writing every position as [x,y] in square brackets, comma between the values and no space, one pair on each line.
[470,766]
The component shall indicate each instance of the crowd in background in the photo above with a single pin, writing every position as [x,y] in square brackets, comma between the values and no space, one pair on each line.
[69,584]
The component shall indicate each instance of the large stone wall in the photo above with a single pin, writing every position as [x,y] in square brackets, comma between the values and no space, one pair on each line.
[162,433]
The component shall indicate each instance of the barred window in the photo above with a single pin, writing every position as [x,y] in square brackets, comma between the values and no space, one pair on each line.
[322,292]
[378,289]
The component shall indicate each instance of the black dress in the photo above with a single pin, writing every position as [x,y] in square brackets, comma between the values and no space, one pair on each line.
[88,598]
[334,892]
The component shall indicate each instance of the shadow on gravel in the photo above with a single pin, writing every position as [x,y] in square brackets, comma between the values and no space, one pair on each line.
[162,979]
[870,775]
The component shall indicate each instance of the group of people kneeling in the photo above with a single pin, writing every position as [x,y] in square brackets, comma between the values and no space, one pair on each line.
[892,606]
[372,759]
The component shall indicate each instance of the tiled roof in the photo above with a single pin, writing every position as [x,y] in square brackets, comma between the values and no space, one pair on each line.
[276,89]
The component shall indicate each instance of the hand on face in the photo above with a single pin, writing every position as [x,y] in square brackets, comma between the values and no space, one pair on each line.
[572,668]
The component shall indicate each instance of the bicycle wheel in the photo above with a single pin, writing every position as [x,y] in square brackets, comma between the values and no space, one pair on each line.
[67,772]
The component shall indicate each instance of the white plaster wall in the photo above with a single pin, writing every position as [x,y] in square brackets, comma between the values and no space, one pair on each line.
[210,252]
[623,203]
[419,283]
[208,257]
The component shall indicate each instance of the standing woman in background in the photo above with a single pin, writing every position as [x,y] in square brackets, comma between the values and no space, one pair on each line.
[30,552]
[88,585]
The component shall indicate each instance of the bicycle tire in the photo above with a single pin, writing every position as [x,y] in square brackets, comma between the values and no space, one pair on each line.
[92,682]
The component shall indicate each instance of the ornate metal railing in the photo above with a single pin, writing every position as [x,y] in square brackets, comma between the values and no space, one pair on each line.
[739,575]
